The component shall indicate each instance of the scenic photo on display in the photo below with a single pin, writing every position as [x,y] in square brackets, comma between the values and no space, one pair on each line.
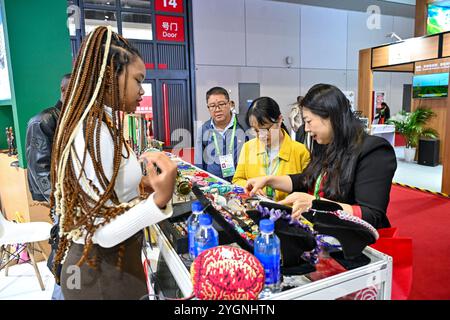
[433,85]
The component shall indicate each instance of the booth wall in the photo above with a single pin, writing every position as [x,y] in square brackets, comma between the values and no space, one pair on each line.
[39,48]
[39,55]
[248,41]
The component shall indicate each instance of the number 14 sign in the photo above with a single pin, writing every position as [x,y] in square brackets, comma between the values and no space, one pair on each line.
[169,5]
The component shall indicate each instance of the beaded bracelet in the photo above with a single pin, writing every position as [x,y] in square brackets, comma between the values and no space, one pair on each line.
[238,190]
[219,188]
[201,174]
[249,237]
[185,167]
[199,181]
[348,217]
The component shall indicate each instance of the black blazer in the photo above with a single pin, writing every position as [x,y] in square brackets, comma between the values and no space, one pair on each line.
[372,180]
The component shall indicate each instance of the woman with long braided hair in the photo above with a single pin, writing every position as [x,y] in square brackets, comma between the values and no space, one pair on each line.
[96,176]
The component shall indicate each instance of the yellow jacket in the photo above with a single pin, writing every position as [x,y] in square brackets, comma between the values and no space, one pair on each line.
[293,157]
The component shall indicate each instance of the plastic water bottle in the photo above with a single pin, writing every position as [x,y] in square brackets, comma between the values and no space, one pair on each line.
[206,236]
[192,225]
[267,250]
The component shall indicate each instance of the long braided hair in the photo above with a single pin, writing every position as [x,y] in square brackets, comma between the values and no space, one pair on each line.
[81,207]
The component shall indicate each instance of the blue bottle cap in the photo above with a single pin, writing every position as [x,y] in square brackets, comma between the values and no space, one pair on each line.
[205,220]
[266,225]
[196,206]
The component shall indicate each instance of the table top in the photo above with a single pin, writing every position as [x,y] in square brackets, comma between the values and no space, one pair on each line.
[327,271]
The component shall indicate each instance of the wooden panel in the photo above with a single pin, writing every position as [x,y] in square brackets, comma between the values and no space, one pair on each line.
[414,49]
[446,45]
[400,68]
[15,198]
[446,158]
[439,106]
[14,194]
[365,83]
[421,18]
[380,57]
[432,66]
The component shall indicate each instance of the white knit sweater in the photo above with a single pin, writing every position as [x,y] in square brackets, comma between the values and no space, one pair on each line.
[144,214]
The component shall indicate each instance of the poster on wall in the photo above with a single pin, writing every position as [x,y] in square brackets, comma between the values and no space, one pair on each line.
[5,91]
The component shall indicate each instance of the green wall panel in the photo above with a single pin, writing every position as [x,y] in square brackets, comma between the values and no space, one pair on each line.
[39,55]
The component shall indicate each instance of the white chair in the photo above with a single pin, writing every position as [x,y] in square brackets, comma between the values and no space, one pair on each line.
[28,234]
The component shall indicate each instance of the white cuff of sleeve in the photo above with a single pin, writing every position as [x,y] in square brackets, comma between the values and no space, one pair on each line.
[142,215]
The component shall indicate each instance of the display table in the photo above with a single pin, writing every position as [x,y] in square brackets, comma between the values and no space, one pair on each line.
[370,282]
[386,131]
[171,276]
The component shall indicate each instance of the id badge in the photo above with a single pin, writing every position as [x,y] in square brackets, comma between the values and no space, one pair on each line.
[270,193]
[227,165]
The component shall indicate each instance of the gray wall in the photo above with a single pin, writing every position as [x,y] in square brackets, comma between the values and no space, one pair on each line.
[248,40]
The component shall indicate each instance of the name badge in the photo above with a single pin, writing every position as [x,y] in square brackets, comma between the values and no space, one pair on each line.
[270,193]
[227,165]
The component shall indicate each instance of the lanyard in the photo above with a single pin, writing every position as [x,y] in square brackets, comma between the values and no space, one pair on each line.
[317,187]
[268,165]
[232,140]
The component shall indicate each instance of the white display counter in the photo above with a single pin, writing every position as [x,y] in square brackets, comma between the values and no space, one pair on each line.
[386,131]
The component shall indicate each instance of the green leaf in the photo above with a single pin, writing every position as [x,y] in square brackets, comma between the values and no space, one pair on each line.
[412,125]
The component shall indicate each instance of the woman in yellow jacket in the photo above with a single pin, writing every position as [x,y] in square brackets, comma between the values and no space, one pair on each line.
[272,152]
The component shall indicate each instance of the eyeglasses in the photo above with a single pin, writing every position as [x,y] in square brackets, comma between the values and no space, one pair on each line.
[220,105]
[261,131]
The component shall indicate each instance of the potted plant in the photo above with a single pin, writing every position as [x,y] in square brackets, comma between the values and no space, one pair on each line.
[412,126]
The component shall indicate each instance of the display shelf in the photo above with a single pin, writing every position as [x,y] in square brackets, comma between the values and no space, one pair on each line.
[372,281]
[369,282]
[172,259]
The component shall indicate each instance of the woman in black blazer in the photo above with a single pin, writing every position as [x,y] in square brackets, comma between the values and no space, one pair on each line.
[347,166]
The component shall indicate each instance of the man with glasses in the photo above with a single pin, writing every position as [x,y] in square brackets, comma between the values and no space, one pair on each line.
[220,139]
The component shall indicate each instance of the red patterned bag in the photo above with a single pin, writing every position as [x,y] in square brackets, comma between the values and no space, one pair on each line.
[227,273]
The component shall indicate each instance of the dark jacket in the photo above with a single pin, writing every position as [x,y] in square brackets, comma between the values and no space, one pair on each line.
[300,135]
[372,181]
[39,140]
[383,115]
[205,152]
